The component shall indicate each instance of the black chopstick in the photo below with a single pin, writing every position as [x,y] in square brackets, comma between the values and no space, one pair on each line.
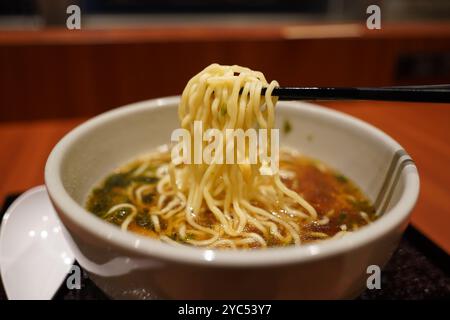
[433,93]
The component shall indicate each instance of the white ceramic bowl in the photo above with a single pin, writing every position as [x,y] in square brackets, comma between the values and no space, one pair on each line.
[125,265]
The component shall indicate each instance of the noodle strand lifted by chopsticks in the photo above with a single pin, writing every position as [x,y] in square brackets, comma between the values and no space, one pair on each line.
[229,97]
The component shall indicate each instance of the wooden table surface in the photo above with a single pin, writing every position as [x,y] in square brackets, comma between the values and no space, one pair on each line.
[422,129]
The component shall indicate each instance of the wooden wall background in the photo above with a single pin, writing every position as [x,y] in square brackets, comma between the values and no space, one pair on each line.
[58,73]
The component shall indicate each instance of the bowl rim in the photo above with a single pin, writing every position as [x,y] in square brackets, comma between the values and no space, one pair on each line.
[147,247]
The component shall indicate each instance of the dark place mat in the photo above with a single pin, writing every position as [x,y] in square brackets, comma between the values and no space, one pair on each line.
[417,270]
